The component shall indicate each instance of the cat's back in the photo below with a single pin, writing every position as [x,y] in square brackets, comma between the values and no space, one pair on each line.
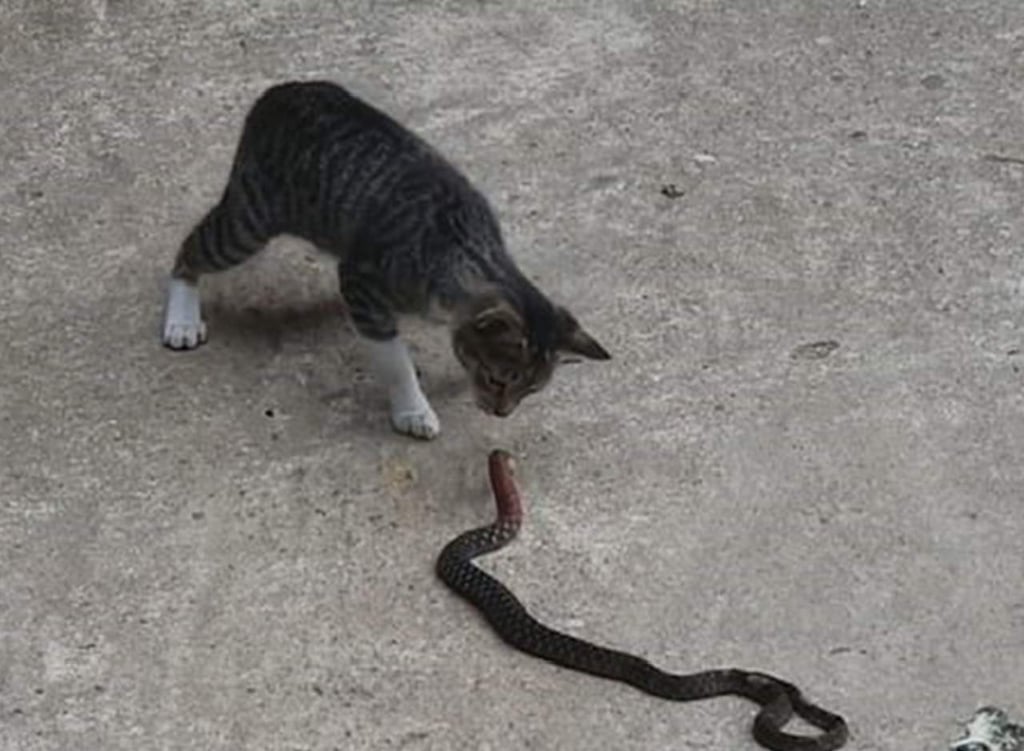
[344,163]
[319,112]
[316,129]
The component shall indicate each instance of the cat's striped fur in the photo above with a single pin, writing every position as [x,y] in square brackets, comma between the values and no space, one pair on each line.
[410,234]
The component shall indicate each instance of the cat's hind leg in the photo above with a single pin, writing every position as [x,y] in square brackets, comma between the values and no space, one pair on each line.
[390,362]
[230,233]
[184,327]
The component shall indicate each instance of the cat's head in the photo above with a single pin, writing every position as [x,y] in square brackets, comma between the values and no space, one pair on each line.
[508,357]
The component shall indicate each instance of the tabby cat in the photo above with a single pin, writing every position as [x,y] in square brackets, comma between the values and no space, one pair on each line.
[410,233]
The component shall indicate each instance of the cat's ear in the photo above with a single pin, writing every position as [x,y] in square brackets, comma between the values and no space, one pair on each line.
[499,322]
[573,340]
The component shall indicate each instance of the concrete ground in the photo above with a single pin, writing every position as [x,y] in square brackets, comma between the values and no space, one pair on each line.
[229,549]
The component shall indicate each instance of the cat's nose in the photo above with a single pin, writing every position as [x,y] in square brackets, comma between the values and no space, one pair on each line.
[504,410]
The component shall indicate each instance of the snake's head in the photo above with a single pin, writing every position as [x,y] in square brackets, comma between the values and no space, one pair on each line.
[505,458]
[506,495]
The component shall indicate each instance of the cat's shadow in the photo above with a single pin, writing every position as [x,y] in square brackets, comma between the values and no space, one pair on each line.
[319,323]
[271,326]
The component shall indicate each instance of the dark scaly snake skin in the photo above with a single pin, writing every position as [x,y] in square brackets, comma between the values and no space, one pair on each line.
[779,700]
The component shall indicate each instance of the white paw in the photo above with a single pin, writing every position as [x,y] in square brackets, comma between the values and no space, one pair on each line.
[183,324]
[184,335]
[422,423]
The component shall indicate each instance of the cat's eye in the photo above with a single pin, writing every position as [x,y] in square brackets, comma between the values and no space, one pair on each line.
[505,378]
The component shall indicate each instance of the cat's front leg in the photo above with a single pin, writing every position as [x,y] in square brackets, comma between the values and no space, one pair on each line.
[371,314]
[411,413]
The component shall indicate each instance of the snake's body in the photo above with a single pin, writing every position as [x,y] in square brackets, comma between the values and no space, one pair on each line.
[779,700]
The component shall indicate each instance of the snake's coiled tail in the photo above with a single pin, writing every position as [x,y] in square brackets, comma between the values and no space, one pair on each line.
[779,700]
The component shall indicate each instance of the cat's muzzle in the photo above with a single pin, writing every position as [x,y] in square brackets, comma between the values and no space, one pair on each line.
[498,409]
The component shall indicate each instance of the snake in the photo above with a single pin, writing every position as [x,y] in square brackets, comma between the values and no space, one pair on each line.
[779,700]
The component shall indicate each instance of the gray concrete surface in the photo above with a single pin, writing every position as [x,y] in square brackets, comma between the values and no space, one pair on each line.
[230,550]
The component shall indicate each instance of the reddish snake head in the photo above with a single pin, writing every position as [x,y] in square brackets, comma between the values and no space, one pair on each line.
[506,495]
